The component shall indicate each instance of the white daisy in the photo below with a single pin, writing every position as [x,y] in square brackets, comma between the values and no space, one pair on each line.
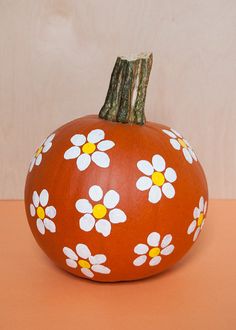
[38,156]
[199,214]
[87,263]
[90,149]
[157,178]
[153,250]
[95,215]
[42,212]
[179,143]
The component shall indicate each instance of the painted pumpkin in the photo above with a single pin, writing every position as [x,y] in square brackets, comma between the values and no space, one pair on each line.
[112,197]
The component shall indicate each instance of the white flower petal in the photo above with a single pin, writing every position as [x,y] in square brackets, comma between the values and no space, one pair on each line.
[70,253]
[32,164]
[192,227]
[97,259]
[101,269]
[96,135]
[140,260]
[71,263]
[87,222]
[83,251]
[78,140]
[111,199]
[187,155]
[83,162]
[141,249]
[105,145]
[159,163]
[196,212]
[117,216]
[35,199]
[40,226]
[168,250]
[50,225]
[171,134]
[101,159]
[205,207]
[166,240]
[176,132]
[95,193]
[72,153]
[87,272]
[38,159]
[201,204]
[49,139]
[51,212]
[32,210]
[203,223]
[170,174]
[155,261]
[175,144]
[46,147]
[44,141]
[103,227]
[145,167]
[83,206]
[192,153]
[143,183]
[197,232]
[153,239]
[43,198]
[154,194]
[168,190]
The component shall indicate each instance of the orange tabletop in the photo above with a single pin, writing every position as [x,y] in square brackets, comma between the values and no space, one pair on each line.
[198,293]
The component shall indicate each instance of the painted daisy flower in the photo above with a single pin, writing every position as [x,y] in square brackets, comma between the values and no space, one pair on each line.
[95,215]
[82,258]
[179,143]
[43,212]
[90,148]
[157,178]
[199,219]
[153,250]
[38,156]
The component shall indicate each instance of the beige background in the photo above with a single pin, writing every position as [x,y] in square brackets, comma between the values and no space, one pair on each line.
[56,58]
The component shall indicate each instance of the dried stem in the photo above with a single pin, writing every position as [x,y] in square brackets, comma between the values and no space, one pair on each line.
[126,94]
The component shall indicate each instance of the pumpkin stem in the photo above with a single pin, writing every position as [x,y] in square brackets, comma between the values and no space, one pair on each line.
[126,94]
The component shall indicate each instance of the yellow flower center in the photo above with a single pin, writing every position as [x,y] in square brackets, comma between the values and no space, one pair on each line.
[84,263]
[154,252]
[88,148]
[99,211]
[158,178]
[182,143]
[40,212]
[200,219]
[39,150]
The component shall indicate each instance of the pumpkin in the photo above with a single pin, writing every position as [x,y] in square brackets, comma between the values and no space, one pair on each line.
[113,197]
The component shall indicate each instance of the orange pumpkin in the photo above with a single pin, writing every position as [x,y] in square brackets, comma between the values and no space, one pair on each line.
[112,198]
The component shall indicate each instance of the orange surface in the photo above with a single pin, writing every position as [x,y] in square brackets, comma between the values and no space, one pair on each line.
[197,293]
